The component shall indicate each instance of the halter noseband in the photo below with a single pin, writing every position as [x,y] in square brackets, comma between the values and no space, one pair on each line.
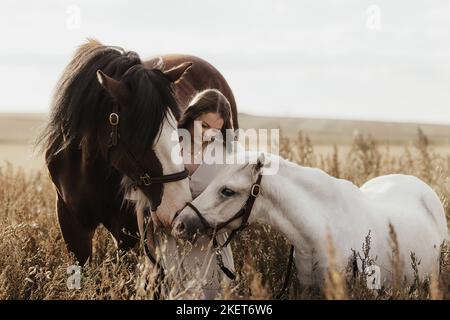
[144,180]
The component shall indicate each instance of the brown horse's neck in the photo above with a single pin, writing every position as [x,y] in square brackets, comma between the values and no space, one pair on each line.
[80,168]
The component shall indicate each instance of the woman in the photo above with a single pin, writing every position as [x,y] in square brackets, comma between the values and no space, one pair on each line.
[204,123]
[207,115]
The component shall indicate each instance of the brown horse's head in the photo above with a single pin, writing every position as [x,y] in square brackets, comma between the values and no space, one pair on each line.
[110,104]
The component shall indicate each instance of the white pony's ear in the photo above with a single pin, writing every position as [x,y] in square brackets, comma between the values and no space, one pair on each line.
[260,163]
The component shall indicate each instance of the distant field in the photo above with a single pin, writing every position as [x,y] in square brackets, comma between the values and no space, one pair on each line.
[20,128]
[329,131]
[19,131]
[17,136]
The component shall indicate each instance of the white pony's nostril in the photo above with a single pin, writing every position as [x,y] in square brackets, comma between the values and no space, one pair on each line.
[180,227]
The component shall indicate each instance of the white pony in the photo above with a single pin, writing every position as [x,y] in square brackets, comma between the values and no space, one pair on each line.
[307,205]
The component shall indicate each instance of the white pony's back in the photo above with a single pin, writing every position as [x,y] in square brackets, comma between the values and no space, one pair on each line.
[417,215]
[408,191]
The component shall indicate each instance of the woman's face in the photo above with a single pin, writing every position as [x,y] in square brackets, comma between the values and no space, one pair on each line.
[211,123]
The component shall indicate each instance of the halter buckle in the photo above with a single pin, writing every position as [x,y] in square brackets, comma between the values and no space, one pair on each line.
[254,192]
[146,180]
[114,119]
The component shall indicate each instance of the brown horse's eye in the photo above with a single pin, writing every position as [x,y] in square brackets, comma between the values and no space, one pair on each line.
[227,192]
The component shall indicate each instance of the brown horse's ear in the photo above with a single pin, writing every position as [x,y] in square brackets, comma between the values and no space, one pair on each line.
[176,73]
[114,88]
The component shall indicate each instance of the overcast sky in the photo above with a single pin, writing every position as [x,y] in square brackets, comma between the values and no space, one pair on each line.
[381,60]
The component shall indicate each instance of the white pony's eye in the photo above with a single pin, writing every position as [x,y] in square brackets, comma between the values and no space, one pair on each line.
[227,192]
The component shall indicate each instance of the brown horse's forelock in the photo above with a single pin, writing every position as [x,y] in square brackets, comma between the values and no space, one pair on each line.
[80,103]
[150,105]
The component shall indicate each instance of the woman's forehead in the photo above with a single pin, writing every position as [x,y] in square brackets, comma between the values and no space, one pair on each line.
[212,119]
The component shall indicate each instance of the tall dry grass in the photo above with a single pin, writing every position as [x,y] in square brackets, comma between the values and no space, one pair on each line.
[34,260]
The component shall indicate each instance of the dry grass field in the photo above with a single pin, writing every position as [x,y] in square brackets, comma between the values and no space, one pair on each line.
[33,258]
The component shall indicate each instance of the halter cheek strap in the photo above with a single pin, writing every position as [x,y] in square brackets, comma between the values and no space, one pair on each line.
[140,176]
[114,120]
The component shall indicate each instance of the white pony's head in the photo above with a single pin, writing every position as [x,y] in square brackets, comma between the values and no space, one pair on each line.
[220,202]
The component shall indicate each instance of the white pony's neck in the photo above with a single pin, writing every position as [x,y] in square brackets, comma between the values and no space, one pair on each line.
[301,202]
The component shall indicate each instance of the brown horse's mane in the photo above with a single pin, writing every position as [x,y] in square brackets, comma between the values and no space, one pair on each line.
[80,103]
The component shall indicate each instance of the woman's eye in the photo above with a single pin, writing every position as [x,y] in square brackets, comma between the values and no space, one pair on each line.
[205,126]
[227,192]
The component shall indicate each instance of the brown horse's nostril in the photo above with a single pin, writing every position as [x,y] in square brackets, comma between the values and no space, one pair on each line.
[180,227]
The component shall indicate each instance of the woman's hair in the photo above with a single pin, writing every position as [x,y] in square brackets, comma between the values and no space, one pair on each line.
[207,101]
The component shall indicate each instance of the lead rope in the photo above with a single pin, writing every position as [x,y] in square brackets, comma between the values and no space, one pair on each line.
[230,274]
[245,214]
[288,274]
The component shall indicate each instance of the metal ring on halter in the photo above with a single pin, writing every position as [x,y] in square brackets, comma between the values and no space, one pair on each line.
[146,180]
[114,119]
[255,190]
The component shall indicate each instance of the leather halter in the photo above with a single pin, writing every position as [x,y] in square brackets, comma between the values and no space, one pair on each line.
[141,178]
[144,180]
[243,213]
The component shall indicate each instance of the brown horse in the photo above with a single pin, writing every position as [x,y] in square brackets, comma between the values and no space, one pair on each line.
[108,111]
